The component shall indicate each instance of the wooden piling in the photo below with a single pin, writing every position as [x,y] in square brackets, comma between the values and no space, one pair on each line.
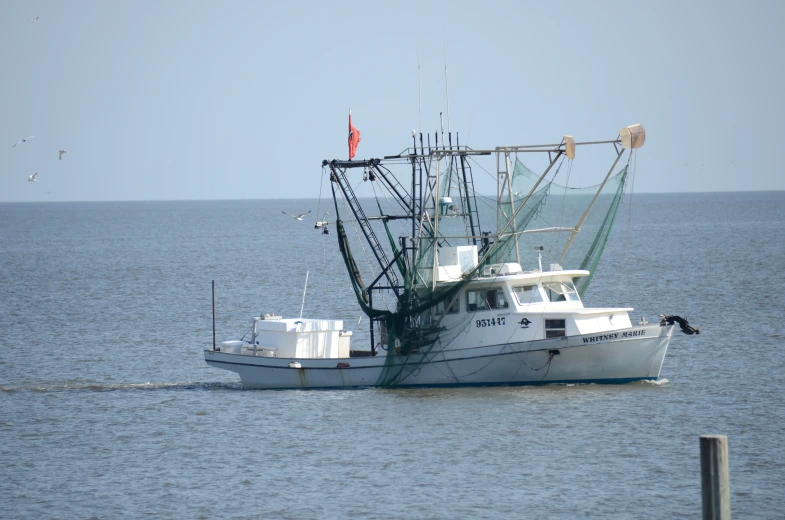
[715,481]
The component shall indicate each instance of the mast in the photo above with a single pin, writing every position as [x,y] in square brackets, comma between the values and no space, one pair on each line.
[423,166]
[436,226]
[512,206]
[413,208]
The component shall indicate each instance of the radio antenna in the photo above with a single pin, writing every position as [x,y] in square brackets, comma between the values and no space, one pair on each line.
[304,291]
[419,88]
[446,84]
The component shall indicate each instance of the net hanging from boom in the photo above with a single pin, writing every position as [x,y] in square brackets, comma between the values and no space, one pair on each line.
[413,333]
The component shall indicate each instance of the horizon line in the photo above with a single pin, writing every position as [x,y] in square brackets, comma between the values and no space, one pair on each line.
[317,198]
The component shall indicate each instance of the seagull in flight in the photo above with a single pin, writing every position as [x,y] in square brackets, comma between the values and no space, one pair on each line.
[32,178]
[34,19]
[297,217]
[63,152]
[24,140]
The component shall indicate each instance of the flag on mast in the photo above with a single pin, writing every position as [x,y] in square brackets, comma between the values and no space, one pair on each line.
[354,138]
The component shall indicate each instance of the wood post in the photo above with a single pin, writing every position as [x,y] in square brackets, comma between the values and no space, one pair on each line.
[715,481]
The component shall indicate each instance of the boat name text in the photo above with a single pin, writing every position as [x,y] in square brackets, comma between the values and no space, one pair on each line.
[615,335]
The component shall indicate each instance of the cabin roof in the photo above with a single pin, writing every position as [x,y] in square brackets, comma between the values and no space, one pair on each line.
[534,276]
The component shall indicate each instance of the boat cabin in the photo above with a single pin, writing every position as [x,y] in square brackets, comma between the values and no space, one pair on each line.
[505,304]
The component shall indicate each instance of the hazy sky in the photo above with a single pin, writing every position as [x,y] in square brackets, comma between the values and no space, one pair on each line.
[172,100]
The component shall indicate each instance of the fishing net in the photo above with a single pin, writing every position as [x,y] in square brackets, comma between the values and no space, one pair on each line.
[412,328]
[560,208]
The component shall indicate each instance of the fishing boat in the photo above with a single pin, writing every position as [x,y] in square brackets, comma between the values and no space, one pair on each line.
[452,303]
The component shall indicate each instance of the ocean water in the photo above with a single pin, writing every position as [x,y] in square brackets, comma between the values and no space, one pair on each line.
[108,410]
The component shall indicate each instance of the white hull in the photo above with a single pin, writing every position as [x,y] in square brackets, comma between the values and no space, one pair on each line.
[618,356]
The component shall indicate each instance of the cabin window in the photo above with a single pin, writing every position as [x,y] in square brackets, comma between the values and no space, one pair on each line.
[486,299]
[454,308]
[555,328]
[572,294]
[561,291]
[526,294]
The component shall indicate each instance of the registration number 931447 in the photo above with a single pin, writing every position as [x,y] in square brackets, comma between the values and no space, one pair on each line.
[490,322]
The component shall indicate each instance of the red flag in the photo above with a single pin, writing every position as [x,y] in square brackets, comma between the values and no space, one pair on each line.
[354,138]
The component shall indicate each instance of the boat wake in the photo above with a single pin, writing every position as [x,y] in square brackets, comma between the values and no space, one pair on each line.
[657,382]
[111,387]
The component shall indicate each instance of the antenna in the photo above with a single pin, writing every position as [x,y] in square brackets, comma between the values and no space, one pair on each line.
[304,289]
[419,88]
[446,86]
[539,255]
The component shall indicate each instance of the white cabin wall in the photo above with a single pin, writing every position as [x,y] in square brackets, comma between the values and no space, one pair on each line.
[285,343]
[321,344]
[301,338]
[601,323]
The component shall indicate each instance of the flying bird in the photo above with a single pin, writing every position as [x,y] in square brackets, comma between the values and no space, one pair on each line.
[32,178]
[63,152]
[23,140]
[34,19]
[297,217]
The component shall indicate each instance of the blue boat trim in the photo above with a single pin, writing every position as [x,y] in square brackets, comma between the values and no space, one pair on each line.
[607,381]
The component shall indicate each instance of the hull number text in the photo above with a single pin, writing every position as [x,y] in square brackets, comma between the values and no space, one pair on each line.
[490,322]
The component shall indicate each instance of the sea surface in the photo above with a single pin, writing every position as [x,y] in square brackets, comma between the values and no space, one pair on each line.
[108,410]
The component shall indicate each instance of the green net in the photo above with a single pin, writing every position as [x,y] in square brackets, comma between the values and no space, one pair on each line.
[548,217]
[412,329]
